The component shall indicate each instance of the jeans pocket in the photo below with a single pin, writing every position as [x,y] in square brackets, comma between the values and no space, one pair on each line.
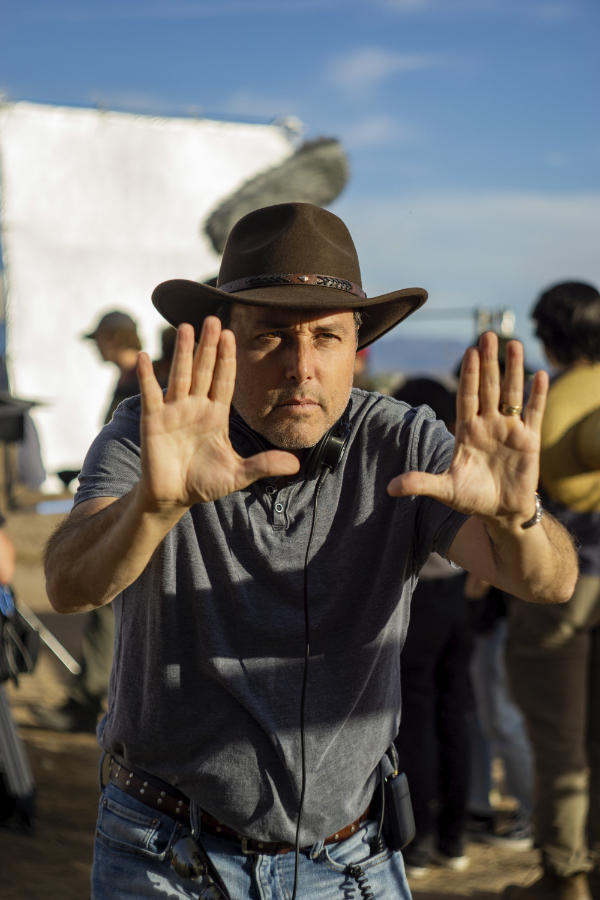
[131,827]
[355,850]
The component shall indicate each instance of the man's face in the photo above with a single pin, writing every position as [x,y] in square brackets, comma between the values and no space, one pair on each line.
[105,346]
[294,371]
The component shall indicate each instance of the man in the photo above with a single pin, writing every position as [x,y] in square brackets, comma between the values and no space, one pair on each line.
[433,742]
[118,342]
[553,654]
[230,570]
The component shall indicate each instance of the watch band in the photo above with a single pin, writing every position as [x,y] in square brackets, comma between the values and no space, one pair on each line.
[537,516]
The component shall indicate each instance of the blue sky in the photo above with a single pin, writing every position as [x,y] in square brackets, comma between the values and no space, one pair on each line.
[471,125]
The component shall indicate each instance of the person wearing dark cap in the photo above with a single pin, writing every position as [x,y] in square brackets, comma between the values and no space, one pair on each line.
[260,533]
[117,340]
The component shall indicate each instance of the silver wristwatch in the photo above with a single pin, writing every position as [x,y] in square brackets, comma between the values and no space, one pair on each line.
[537,516]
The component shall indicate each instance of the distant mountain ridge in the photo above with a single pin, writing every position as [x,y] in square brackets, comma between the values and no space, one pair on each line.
[416,355]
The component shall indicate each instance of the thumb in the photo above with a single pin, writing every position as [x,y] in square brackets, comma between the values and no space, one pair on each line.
[269,464]
[422,483]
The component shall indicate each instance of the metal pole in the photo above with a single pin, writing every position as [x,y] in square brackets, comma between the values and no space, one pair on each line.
[48,638]
[19,778]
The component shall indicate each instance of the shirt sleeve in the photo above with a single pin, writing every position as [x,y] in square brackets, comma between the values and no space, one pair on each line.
[431,451]
[112,464]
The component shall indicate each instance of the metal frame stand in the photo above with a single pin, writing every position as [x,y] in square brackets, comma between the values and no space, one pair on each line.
[15,767]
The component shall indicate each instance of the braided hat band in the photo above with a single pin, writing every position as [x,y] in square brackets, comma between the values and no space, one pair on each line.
[255,281]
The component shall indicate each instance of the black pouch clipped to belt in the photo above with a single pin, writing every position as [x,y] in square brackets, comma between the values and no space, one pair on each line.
[19,642]
[399,822]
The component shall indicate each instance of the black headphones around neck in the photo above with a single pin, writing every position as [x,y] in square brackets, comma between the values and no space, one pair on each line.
[324,455]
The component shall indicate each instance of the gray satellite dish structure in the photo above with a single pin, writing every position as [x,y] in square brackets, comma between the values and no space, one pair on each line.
[316,173]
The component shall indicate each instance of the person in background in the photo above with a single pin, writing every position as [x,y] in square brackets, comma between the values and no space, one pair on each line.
[553,653]
[118,342]
[16,812]
[8,555]
[361,371]
[497,726]
[162,366]
[433,742]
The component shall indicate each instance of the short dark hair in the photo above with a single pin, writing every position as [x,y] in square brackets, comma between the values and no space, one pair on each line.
[567,318]
[223,312]
[420,391]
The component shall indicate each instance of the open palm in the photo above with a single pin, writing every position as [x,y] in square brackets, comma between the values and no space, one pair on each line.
[495,466]
[186,453]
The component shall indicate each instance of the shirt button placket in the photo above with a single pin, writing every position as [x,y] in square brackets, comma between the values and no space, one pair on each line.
[278,515]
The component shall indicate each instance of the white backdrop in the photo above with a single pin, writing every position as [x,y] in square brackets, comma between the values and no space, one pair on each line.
[97,209]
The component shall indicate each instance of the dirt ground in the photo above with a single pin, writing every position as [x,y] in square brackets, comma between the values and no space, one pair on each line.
[54,862]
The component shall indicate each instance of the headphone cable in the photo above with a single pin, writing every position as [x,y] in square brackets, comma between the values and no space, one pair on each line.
[322,477]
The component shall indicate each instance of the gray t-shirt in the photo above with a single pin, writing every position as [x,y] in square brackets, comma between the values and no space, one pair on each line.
[209,641]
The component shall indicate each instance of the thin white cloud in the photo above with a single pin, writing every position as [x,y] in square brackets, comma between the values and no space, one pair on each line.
[548,10]
[555,158]
[552,12]
[544,10]
[362,69]
[405,6]
[377,131]
[69,12]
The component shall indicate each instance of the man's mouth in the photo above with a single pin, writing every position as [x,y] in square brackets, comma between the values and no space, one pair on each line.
[302,402]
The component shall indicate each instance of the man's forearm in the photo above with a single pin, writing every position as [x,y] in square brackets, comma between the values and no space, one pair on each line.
[92,558]
[537,564]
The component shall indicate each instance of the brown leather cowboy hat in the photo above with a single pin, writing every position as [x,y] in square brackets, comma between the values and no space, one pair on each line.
[292,254]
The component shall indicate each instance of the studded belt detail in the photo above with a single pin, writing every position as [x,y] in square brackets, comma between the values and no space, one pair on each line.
[280,280]
[165,798]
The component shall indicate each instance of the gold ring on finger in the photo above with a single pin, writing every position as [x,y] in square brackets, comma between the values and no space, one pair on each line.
[508,410]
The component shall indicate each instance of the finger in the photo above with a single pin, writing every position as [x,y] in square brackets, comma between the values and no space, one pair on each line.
[270,464]
[152,395]
[512,388]
[534,411]
[206,357]
[422,483]
[223,383]
[489,385]
[467,394]
[180,376]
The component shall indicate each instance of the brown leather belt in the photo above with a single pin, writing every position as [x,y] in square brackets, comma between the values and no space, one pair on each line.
[167,799]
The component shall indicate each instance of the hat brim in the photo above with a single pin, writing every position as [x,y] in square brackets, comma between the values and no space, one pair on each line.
[181,301]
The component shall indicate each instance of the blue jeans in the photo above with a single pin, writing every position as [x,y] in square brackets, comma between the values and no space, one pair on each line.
[501,723]
[131,862]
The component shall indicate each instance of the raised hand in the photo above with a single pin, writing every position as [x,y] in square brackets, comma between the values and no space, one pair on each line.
[495,466]
[186,453]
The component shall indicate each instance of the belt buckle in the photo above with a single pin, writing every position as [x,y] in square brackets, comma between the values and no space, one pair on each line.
[245,849]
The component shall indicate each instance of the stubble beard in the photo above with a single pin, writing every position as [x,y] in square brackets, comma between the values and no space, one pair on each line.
[289,433]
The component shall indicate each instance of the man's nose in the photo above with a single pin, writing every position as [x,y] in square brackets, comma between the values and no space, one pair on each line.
[299,362]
